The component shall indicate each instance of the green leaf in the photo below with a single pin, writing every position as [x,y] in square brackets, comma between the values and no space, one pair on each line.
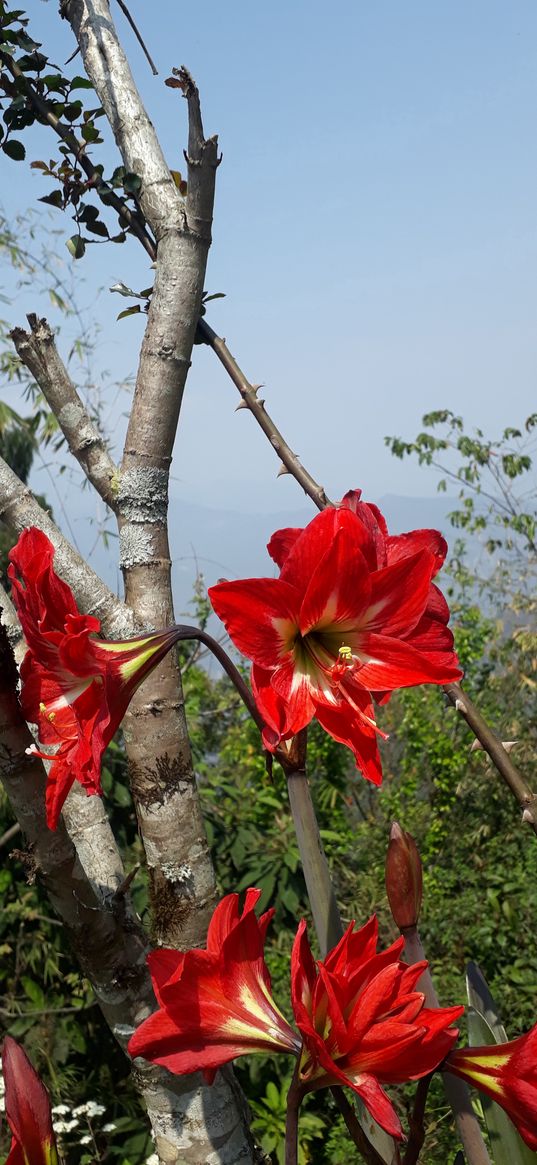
[53,199]
[129,311]
[81,83]
[98,227]
[76,246]
[90,133]
[33,991]
[14,149]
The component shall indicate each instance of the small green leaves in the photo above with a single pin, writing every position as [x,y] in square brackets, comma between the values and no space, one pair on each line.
[76,246]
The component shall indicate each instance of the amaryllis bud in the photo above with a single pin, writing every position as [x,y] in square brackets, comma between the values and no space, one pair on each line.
[404,881]
[27,1110]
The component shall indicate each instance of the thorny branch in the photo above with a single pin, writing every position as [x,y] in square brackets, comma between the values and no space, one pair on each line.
[250,400]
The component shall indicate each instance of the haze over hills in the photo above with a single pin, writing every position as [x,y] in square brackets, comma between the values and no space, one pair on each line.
[232,544]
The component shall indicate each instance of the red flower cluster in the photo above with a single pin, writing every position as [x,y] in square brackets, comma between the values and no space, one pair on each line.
[27,1110]
[361,1019]
[75,687]
[354,614]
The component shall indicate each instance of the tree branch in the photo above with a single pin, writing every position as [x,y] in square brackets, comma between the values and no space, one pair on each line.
[496,751]
[289,460]
[181,877]
[39,353]
[108,69]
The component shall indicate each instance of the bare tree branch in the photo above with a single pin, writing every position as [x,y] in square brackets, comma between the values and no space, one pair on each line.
[496,751]
[38,351]
[289,460]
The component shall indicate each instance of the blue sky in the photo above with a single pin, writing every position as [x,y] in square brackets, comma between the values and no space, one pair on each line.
[374,229]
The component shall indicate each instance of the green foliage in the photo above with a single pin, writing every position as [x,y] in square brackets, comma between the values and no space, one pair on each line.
[31,95]
[268,1124]
[495,486]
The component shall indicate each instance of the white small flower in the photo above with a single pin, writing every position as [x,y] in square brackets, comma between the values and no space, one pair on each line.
[85,1140]
[109,1128]
[152,1160]
[64,1126]
[81,1110]
[2,1104]
[60,1110]
[94,1109]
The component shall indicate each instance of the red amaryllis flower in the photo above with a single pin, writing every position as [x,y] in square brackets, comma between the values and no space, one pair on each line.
[75,687]
[215,1004]
[508,1074]
[353,612]
[27,1110]
[363,1022]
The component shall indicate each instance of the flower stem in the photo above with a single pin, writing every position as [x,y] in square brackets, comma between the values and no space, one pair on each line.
[321,892]
[417,1127]
[459,1097]
[294,1098]
[356,1132]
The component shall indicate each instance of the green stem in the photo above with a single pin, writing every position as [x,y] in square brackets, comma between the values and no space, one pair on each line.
[294,1098]
[321,893]
[417,1126]
[356,1132]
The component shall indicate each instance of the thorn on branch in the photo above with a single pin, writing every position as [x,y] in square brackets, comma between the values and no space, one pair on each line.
[508,745]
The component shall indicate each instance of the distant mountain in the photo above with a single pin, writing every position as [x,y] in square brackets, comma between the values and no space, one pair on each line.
[229,544]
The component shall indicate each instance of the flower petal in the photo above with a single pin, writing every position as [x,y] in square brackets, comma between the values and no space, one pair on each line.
[282,543]
[341,722]
[339,588]
[283,717]
[260,616]
[399,595]
[389,663]
[400,546]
